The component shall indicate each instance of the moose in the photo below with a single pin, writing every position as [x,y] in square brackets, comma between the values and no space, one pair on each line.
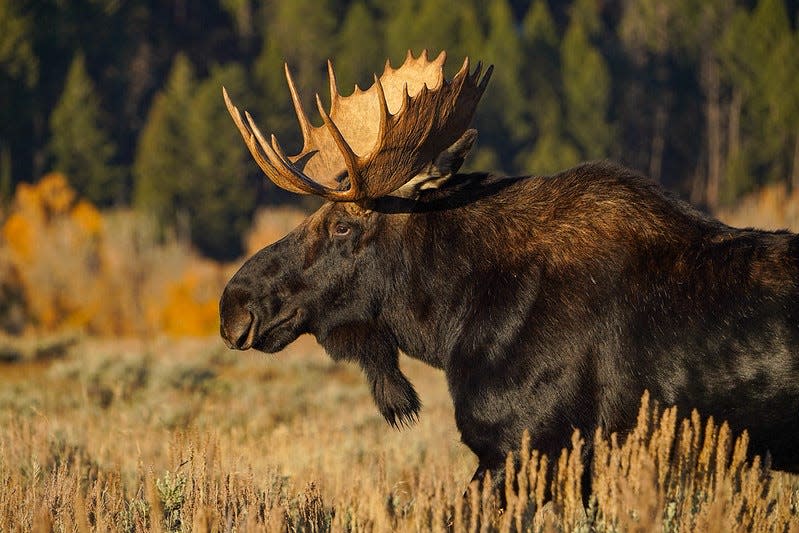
[550,302]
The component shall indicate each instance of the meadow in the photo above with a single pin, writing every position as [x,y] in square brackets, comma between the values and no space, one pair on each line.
[150,429]
[185,435]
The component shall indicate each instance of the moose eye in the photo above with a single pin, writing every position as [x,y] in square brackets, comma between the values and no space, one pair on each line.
[341,229]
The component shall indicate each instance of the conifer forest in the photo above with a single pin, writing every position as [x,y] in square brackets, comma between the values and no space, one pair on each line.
[123,97]
[128,200]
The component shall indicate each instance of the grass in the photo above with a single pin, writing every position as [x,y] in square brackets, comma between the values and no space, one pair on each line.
[184,435]
[160,434]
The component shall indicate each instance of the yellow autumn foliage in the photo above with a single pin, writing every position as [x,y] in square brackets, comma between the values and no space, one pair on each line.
[191,303]
[18,234]
[103,274]
[88,218]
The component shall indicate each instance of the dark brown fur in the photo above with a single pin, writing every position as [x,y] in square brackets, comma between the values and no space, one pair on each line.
[551,303]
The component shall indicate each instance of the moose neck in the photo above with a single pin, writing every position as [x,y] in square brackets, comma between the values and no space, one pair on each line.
[448,282]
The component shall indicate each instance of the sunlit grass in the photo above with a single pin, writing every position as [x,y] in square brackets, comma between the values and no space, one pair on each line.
[185,435]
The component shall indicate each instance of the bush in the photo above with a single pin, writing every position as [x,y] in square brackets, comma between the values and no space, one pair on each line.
[66,266]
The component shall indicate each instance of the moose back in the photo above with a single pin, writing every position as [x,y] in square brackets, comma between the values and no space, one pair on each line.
[550,302]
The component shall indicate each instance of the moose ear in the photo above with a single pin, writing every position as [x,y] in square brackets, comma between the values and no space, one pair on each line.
[450,160]
[446,164]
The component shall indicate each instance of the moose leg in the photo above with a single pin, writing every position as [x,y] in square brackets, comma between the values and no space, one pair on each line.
[495,476]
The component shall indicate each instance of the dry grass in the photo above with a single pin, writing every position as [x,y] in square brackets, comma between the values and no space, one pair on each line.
[153,434]
[773,207]
[186,435]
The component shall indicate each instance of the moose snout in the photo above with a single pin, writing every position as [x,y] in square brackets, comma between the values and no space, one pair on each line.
[237,322]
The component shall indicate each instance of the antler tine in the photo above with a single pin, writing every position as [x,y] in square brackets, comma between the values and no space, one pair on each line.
[441,59]
[350,159]
[277,148]
[464,70]
[486,77]
[284,172]
[245,132]
[302,118]
[476,74]
[333,87]
[382,144]
[383,105]
[406,99]
[289,167]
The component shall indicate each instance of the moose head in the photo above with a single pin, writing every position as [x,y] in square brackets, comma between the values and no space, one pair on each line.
[333,275]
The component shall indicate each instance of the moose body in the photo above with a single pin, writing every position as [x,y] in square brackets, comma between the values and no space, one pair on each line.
[550,303]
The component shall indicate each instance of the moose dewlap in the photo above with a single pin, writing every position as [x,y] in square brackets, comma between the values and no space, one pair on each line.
[551,303]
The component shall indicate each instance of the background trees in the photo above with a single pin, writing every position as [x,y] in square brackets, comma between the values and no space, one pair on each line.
[123,97]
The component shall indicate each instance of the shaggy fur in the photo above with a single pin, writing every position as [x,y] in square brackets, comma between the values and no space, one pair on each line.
[551,303]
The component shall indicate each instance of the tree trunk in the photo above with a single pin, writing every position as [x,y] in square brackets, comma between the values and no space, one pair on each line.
[713,117]
[795,164]
[658,141]
[734,124]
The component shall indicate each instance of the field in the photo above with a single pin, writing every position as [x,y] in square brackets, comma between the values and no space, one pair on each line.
[180,435]
[137,427]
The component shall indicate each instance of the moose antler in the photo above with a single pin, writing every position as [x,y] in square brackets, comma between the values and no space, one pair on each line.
[379,138]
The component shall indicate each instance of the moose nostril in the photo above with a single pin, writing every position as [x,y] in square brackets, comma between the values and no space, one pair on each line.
[237,322]
[236,329]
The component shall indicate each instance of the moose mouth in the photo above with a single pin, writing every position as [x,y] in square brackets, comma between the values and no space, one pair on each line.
[274,336]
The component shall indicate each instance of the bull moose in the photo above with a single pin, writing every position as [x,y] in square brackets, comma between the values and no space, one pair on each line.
[550,302]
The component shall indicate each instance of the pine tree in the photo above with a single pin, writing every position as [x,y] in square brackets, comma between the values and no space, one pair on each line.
[761,140]
[219,198]
[303,31]
[647,31]
[506,102]
[191,165]
[433,25]
[19,73]
[359,50]
[162,167]
[80,146]
[547,149]
[586,90]
[775,87]
[17,58]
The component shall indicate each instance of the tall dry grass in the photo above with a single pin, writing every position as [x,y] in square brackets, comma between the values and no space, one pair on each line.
[153,433]
[187,436]
[773,207]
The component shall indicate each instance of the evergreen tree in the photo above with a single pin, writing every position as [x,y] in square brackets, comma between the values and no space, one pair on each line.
[19,73]
[162,168]
[273,105]
[191,165]
[646,30]
[586,90]
[774,105]
[80,146]
[547,149]
[762,113]
[17,58]
[303,33]
[359,50]
[505,103]
[435,26]
[219,199]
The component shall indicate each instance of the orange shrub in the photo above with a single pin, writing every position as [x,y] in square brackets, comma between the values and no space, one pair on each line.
[107,274]
[191,301]
[54,253]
